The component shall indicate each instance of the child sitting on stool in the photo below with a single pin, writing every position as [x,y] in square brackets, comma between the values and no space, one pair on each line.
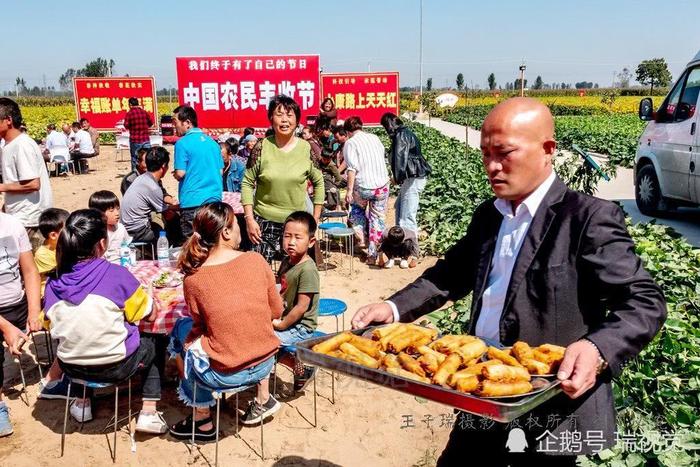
[400,243]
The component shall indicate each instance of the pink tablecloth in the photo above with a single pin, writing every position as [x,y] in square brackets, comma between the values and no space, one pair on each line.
[234,200]
[171,299]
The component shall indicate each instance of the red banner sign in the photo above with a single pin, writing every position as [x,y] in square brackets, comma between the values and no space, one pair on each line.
[105,101]
[234,91]
[366,95]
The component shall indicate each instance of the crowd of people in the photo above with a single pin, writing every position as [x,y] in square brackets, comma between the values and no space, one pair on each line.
[62,271]
[544,264]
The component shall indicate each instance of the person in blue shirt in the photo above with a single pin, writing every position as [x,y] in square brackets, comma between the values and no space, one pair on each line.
[234,169]
[198,167]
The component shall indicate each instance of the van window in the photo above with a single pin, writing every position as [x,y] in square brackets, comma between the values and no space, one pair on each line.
[689,98]
[668,108]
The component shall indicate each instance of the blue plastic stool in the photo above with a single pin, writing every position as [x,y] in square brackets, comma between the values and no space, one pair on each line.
[95,385]
[332,307]
[346,236]
[332,225]
[292,349]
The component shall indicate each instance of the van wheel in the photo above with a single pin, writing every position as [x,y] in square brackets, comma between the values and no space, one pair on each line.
[648,192]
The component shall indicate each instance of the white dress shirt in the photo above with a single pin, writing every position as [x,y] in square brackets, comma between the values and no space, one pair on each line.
[513,229]
[83,142]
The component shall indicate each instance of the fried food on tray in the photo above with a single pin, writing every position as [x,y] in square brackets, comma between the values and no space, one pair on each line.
[407,374]
[467,384]
[411,364]
[505,373]
[333,343]
[502,355]
[382,331]
[488,388]
[429,363]
[359,356]
[537,368]
[460,362]
[368,346]
[472,350]
[446,368]
[391,361]
[424,349]
[522,351]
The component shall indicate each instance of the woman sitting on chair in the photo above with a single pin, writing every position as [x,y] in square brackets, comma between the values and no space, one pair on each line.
[228,343]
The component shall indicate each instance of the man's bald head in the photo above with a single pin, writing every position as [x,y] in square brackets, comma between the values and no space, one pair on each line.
[524,113]
[517,143]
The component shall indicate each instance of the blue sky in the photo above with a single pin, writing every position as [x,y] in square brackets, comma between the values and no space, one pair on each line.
[560,40]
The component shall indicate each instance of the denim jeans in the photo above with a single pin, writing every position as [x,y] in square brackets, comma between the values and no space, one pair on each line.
[294,334]
[406,205]
[134,150]
[207,378]
[143,360]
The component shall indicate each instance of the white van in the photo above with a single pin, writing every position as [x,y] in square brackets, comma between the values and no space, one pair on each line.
[667,164]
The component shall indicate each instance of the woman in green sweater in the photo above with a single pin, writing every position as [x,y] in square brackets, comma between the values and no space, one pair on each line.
[276,183]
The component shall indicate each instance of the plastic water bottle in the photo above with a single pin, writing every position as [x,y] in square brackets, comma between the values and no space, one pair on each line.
[132,255]
[124,254]
[162,250]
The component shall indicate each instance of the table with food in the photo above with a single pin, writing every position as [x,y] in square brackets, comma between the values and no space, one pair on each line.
[462,371]
[165,284]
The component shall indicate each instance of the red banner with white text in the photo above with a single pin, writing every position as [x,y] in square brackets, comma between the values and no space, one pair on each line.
[104,101]
[365,95]
[234,91]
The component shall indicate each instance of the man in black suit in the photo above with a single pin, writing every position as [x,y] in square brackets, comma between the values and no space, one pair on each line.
[545,264]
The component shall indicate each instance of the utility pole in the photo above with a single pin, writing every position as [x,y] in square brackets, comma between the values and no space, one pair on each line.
[613,80]
[44,79]
[369,67]
[522,79]
[420,59]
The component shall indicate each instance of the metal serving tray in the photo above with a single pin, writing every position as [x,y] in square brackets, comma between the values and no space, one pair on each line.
[500,410]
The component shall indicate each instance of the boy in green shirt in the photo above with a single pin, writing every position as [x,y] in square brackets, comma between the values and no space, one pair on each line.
[300,288]
[50,225]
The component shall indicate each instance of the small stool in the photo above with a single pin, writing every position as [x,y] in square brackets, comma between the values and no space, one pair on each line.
[218,395]
[292,349]
[347,235]
[332,307]
[334,215]
[95,385]
[326,226]
[49,350]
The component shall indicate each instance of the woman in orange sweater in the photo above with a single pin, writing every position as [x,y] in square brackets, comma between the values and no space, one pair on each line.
[229,341]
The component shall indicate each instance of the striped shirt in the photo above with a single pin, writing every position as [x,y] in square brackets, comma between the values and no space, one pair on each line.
[364,154]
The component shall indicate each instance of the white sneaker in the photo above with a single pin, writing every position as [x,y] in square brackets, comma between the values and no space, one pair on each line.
[403,264]
[151,423]
[389,264]
[76,410]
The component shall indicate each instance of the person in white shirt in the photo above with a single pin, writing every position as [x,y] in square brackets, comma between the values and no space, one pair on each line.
[368,186]
[56,144]
[70,136]
[82,148]
[25,179]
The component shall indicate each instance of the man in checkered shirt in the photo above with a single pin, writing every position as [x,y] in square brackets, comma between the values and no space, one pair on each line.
[138,122]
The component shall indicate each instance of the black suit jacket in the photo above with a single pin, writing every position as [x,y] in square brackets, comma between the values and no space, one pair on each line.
[576,275]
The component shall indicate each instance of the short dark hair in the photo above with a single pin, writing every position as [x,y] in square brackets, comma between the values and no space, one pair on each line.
[10,109]
[395,236]
[184,113]
[133,101]
[287,103]
[79,237]
[305,218]
[353,123]
[83,120]
[50,127]
[231,145]
[103,200]
[52,220]
[340,131]
[249,130]
[75,125]
[140,153]
[156,158]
